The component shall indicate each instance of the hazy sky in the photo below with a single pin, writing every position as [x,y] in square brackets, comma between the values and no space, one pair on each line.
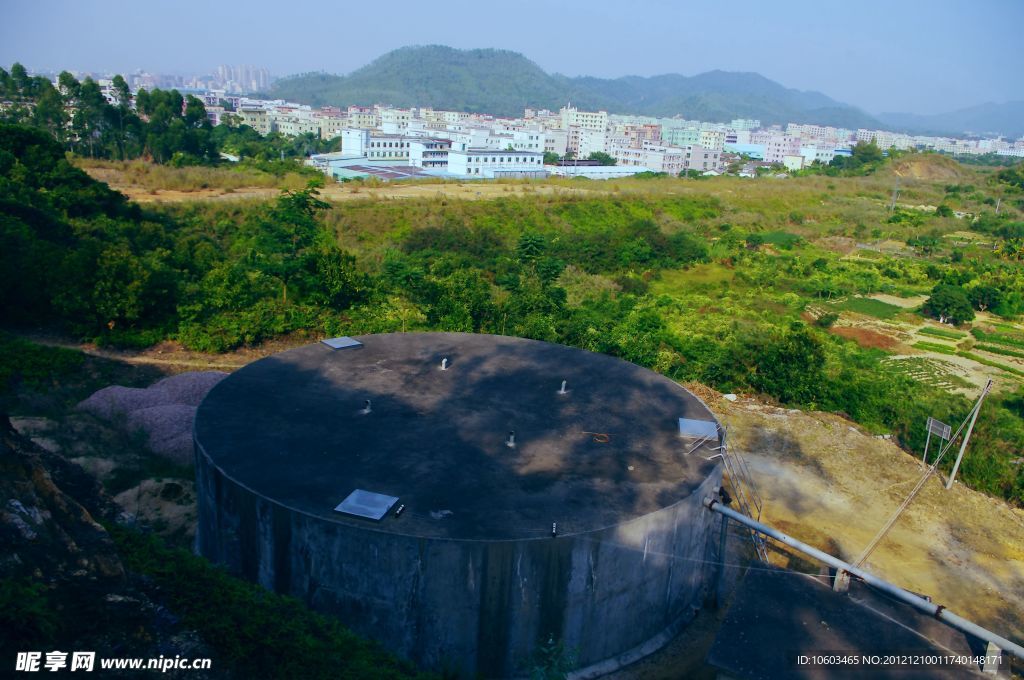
[920,56]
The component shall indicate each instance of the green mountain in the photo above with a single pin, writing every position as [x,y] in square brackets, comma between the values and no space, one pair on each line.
[504,83]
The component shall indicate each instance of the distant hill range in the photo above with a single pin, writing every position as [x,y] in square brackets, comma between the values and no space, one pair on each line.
[1006,119]
[503,83]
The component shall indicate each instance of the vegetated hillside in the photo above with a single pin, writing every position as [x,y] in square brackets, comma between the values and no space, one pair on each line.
[504,83]
[735,289]
[1006,119]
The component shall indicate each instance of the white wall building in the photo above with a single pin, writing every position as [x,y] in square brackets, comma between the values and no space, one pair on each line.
[588,120]
[430,154]
[493,163]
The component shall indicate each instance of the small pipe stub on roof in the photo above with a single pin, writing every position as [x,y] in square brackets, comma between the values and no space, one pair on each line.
[366,408]
[510,441]
[554,529]
[563,390]
[444,364]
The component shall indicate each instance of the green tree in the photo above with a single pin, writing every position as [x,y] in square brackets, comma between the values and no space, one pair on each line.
[283,243]
[530,246]
[601,157]
[984,297]
[949,303]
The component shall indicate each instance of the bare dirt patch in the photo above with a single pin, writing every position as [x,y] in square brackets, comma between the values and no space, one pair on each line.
[336,192]
[822,477]
[904,302]
[827,483]
[927,167]
[865,337]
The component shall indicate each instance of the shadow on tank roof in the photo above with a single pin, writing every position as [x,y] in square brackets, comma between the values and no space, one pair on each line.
[602,449]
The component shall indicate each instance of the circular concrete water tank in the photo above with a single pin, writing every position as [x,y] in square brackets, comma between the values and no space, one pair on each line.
[588,529]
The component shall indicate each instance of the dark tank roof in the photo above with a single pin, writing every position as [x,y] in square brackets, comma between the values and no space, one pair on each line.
[290,427]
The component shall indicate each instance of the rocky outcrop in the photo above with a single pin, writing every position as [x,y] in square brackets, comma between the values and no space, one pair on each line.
[45,532]
[164,411]
[64,583]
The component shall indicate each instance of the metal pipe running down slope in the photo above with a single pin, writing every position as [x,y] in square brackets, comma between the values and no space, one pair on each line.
[935,610]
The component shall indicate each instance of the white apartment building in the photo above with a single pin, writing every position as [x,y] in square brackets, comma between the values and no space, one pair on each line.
[362,117]
[493,163]
[680,136]
[747,124]
[528,140]
[778,146]
[376,146]
[589,141]
[430,154]
[822,154]
[587,120]
[257,119]
[702,158]
[656,157]
[712,139]
[556,141]
[394,121]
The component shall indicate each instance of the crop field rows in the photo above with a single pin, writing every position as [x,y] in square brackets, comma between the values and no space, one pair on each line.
[934,372]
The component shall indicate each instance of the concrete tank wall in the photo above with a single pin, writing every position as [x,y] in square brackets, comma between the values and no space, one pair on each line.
[476,606]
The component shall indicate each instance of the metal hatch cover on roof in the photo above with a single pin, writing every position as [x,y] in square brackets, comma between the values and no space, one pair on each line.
[341,343]
[366,504]
[698,429]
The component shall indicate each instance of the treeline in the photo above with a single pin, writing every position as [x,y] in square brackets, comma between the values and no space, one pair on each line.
[76,254]
[159,125]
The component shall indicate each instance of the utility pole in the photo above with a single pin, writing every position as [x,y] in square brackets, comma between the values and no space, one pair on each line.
[970,428]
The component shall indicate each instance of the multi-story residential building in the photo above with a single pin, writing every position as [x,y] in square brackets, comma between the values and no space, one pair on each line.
[587,142]
[556,141]
[375,146]
[747,124]
[656,157]
[682,136]
[528,140]
[430,154]
[821,154]
[587,120]
[331,125]
[702,158]
[294,122]
[362,117]
[257,119]
[492,164]
[780,145]
[394,121]
[712,139]
[638,134]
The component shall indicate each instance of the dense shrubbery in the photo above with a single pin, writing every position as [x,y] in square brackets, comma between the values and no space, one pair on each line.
[76,254]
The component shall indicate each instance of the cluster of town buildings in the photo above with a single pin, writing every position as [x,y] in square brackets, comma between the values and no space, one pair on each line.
[395,143]
[420,141]
[243,79]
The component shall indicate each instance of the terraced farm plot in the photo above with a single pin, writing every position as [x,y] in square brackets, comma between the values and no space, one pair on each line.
[930,371]
[868,307]
[942,333]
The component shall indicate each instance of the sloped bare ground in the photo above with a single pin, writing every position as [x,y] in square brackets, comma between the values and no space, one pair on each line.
[826,483]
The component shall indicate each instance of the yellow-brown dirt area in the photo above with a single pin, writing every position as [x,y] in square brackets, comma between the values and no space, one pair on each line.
[826,483]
